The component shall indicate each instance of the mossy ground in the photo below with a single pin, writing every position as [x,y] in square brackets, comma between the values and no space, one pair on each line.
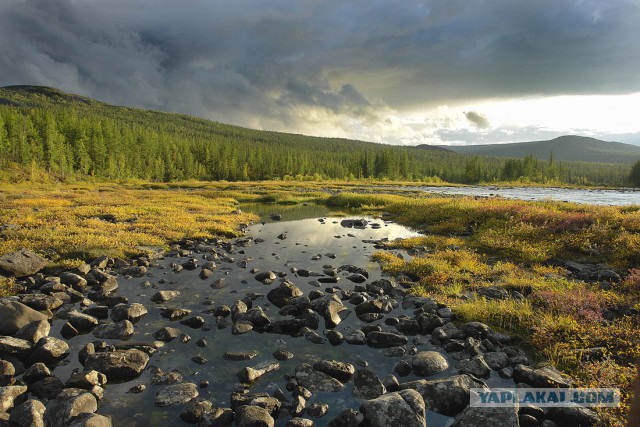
[470,243]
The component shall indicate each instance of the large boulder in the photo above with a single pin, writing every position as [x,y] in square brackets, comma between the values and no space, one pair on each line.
[314,380]
[545,377]
[404,408]
[70,403]
[253,416]
[14,315]
[331,309]
[428,363]
[9,394]
[283,293]
[447,396]
[382,339]
[49,350]
[341,371]
[28,414]
[367,385]
[118,365]
[176,394]
[21,263]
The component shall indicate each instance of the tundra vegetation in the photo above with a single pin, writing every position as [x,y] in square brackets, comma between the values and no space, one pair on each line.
[531,252]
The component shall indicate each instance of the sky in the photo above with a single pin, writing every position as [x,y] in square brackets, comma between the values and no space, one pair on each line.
[400,72]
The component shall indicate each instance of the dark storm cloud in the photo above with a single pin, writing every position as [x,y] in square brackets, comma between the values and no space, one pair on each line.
[478,119]
[274,63]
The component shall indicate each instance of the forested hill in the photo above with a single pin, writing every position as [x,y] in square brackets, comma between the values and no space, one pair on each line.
[43,130]
[569,147]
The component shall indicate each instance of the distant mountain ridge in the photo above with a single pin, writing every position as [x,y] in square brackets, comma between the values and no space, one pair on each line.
[563,148]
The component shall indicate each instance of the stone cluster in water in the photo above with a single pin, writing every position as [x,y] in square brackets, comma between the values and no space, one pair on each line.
[86,298]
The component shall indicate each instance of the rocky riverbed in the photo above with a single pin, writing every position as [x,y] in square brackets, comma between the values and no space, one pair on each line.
[291,325]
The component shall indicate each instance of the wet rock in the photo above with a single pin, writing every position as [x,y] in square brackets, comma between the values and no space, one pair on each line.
[194,411]
[249,375]
[47,388]
[545,377]
[428,363]
[334,337]
[21,263]
[478,416]
[476,367]
[217,417]
[241,327]
[496,360]
[138,388]
[97,311]
[377,339]
[118,365]
[167,334]
[446,396]
[159,377]
[14,315]
[68,405]
[194,322]
[240,355]
[9,394]
[286,326]
[299,422]
[12,345]
[315,380]
[35,373]
[341,371]
[404,408]
[283,293]
[131,312]
[331,309]
[367,385]
[86,380]
[7,371]
[348,418]
[262,400]
[49,350]
[266,277]
[257,317]
[356,338]
[176,394]
[164,296]
[313,336]
[356,278]
[573,416]
[75,280]
[525,420]
[175,313]
[475,329]
[205,273]
[402,368]
[445,332]
[253,416]
[41,302]
[28,414]
[317,410]
[91,420]
[81,322]
[34,331]
[118,330]
[428,322]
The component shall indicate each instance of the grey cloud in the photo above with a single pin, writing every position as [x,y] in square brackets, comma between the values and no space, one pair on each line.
[265,62]
[478,119]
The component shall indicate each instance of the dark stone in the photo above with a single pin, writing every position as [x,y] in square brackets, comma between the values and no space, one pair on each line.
[21,263]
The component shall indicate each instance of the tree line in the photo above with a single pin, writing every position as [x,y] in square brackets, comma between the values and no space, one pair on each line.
[74,139]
